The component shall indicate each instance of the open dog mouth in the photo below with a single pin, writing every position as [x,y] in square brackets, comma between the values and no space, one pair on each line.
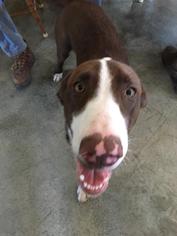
[93,181]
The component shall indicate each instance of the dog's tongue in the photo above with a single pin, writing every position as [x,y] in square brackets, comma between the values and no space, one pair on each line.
[93,181]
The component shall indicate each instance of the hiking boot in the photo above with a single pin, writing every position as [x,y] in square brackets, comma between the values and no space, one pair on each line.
[21,68]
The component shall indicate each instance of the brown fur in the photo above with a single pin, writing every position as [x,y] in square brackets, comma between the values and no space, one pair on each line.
[86,29]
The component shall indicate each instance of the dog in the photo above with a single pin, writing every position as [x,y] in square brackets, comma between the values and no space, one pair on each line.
[101,97]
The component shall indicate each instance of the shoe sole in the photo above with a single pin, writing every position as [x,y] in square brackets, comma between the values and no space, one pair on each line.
[24,85]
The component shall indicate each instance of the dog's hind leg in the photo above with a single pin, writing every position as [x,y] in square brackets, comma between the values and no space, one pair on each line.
[62,54]
[63,49]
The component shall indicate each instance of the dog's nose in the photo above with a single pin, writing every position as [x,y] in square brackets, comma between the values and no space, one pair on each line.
[99,152]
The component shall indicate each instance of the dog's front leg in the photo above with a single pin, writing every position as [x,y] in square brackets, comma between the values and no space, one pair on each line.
[81,195]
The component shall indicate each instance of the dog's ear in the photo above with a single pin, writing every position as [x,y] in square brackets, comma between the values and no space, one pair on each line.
[63,85]
[143,98]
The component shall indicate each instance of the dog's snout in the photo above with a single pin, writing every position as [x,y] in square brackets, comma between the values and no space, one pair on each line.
[100,152]
[113,146]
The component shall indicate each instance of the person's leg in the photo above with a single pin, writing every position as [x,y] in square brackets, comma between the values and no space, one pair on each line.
[11,42]
[13,45]
[98,2]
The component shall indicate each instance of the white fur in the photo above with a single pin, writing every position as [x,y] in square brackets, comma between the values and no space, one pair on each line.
[101,114]
[81,195]
[57,77]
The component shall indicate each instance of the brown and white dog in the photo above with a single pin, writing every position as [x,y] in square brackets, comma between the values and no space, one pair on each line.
[102,96]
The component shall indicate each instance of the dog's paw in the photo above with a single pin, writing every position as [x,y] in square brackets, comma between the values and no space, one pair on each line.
[81,195]
[57,77]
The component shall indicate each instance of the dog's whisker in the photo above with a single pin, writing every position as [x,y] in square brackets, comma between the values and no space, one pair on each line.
[129,152]
[124,162]
[83,154]
[127,159]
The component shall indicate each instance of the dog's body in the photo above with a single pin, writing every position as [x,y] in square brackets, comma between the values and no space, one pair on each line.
[84,28]
[101,97]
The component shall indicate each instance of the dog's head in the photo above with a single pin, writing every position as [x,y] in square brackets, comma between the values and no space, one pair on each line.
[102,100]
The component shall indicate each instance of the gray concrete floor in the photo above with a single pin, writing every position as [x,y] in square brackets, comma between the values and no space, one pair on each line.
[37,173]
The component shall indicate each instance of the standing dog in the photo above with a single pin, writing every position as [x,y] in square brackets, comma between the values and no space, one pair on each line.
[102,96]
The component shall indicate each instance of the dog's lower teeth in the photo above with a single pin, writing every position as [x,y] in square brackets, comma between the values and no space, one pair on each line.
[82,177]
[91,187]
[106,180]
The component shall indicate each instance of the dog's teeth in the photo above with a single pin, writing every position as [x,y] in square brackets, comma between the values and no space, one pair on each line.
[82,177]
[88,186]
[101,185]
[106,180]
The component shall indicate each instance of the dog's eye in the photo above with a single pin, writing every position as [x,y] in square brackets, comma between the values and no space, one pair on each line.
[79,87]
[130,92]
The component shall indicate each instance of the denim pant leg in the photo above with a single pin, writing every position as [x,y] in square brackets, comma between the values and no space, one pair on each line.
[11,42]
[98,2]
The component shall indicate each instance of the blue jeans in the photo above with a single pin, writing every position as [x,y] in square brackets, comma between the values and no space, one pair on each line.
[98,2]
[11,42]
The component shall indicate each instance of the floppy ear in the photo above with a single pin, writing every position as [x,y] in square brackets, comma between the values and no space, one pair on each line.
[63,85]
[143,98]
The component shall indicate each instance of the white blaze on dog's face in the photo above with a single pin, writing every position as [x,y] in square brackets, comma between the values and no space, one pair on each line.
[101,115]
[101,99]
